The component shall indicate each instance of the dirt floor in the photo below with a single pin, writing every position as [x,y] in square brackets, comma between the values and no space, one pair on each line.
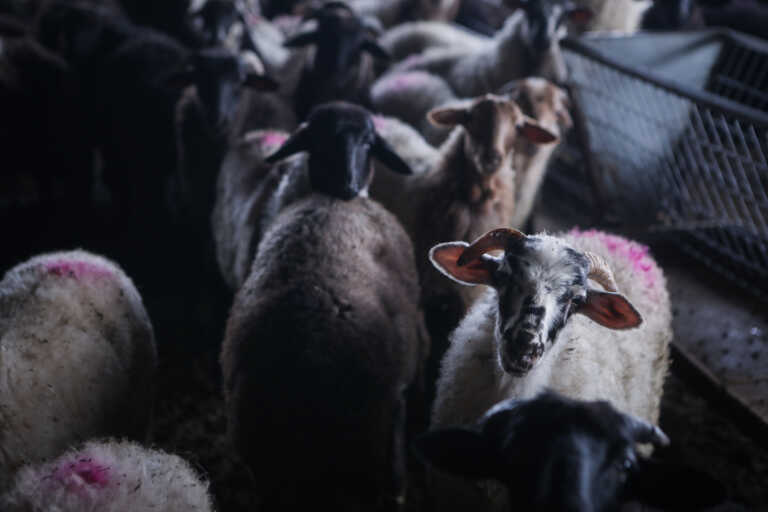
[188,305]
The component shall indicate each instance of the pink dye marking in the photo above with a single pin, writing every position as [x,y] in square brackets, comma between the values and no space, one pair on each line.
[77,269]
[637,253]
[402,81]
[271,139]
[380,122]
[81,474]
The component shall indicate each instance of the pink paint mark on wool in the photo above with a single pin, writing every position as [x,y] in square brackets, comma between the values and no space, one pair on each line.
[273,139]
[81,474]
[77,269]
[636,253]
[402,81]
[380,122]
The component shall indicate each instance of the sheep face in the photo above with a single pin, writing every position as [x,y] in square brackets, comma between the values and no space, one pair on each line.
[540,282]
[552,453]
[546,25]
[492,124]
[220,77]
[341,36]
[542,100]
[340,138]
[214,21]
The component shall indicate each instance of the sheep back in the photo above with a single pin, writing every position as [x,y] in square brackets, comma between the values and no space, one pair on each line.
[109,476]
[322,341]
[77,356]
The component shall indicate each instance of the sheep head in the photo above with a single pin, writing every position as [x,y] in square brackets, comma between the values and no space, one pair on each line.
[340,138]
[541,282]
[492,125]
[551,452]
[543,101]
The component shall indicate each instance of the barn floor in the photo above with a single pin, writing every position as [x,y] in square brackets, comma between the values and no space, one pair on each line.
[188,307]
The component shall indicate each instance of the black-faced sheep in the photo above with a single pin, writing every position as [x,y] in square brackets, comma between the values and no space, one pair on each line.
[325,337]
[342,66]
[109,476]
[549,453]
[77,357]
[528,44]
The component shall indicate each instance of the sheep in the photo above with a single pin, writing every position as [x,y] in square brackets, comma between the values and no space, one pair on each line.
[534,289]
[527,44]
[522,336]
[325,337]
[411,146]
[549,105]
[341,68]
[468,191]
[77,356]
[394,12]
[409,96]
[414,37]
[109,476]
[250,192]
[623,16]
[548,452]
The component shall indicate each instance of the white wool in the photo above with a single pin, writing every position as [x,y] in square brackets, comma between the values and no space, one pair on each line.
[475,71]
[622,16]
[109,477]
[416,36]
[587,362]
[77,357]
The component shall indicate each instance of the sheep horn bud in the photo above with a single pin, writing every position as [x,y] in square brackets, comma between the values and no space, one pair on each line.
[600,272]
[494,240]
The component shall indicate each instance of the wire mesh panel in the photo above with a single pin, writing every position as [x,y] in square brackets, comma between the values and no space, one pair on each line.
[667,157]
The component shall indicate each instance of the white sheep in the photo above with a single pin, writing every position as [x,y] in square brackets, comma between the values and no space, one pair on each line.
[523,337]
[109,476]
[250,192]
[528,44]
[415,37]
[393,12]
[77,357]
[409,96]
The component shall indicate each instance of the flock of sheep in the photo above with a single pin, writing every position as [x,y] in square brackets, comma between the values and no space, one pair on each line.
[363,180]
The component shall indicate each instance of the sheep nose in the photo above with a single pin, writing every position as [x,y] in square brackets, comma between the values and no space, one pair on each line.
[492,160]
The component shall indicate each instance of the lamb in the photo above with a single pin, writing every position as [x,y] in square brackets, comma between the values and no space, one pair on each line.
[341,68]
[523,337]
[77,357]
[470,190]
[554,453]
[325,338]
[109,476]
[528,44]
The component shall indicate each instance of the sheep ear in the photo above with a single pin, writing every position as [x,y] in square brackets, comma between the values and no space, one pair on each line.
[260,82]
[458,451]
[447,116]
[296,143]
[372,47]
[384,152]
[302,39]
[534,132]
[611,310]
[445,258]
